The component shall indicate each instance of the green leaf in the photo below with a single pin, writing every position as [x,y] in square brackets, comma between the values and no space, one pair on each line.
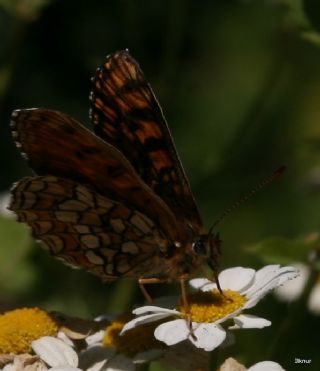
[281,250]
[15,244]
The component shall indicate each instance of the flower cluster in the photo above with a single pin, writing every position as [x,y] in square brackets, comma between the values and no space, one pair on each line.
[32,339]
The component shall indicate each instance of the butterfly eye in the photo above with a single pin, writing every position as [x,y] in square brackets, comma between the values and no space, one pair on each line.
[200,247]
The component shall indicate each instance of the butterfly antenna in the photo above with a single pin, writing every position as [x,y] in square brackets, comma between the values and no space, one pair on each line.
[246,197]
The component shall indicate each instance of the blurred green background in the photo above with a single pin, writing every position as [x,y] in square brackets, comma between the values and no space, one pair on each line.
[239,83]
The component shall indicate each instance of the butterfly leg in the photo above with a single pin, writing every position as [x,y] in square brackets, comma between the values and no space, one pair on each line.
[216,279]
[185,302]
[147,281]
[186,305]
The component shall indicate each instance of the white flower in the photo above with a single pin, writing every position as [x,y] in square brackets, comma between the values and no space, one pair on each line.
[266,366]
[56,353]
[4,203]
[314,299]
[243,288]
[98,358]
[231,364]
[107,352]
[293,290]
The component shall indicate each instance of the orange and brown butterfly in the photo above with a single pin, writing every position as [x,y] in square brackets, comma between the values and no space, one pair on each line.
[115,202]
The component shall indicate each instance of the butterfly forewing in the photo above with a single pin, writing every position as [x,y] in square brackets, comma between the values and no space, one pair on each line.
[87,230]
[126,114]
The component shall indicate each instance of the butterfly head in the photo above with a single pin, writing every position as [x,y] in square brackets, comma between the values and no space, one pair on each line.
[207,246]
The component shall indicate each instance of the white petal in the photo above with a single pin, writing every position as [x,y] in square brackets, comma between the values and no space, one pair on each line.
[199,283]
[94,358]
[267,279]
[62,336]
[172,332]
[141,320]
[120,363]
[262,276]
[9,367]
[55,352]
[266,366]
[287,274]
[237,278]
[155,310]
[314,300]
[249,321]
[208,336]
[17,364]
[293,289]
[95,338]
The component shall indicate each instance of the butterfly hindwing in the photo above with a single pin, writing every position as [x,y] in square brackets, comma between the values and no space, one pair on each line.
[87,230]
[125,113]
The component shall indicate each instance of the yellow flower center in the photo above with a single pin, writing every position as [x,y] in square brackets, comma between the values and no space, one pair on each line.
[19,327]
[210,306]
[132,342]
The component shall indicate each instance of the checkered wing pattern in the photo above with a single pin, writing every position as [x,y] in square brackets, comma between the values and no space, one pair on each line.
[125,113]
[85,229]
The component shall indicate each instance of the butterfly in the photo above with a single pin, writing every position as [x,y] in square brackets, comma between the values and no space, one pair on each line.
[115,202]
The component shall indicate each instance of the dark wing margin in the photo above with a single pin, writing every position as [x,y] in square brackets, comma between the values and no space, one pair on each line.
[56,144]
[87,230]
[126,114]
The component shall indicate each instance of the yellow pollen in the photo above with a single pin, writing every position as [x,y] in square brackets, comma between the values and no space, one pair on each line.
[19,327]
[132,342]
[210,306]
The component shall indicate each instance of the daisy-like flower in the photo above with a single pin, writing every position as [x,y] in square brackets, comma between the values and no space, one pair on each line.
[207,309]
[19,327]
[29,340]
[108,351]
[231,364]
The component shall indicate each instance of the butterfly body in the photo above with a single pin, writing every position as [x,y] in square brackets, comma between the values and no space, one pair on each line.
[116,203]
